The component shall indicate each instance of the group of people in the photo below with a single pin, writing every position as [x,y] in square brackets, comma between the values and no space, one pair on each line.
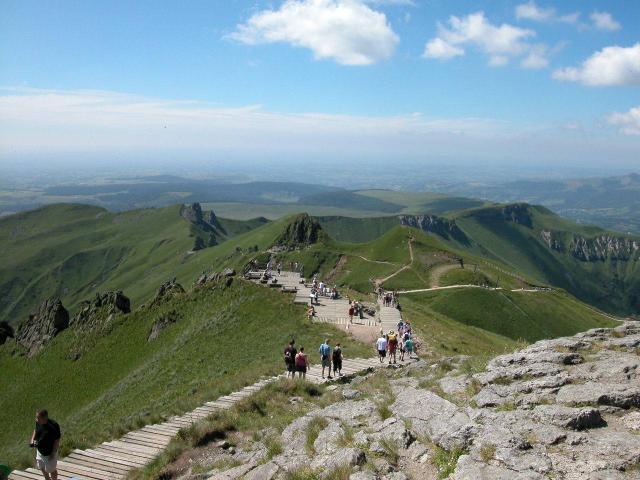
[355,308]
[388,344]
[389,299]
[297,361]
[319,288]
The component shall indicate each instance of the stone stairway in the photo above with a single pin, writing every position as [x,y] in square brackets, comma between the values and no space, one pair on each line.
[389,317]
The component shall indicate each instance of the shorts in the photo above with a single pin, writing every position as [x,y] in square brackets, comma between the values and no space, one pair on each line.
[301,369]
[326,362]
[48,463]
[337,365]
[291,367]
[382,353]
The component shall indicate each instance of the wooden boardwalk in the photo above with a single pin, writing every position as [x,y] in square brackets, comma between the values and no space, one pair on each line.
[114,459]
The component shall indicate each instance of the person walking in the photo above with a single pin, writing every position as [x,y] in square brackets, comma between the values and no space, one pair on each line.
[46,440]
[290,353]
[409,347]
[350,313]
[381,347]
[392,345]
[325,358]
[337,360]
[302,363]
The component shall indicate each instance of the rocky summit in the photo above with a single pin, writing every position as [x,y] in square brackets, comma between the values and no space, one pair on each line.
[567,408]
[93,311]
[50,319]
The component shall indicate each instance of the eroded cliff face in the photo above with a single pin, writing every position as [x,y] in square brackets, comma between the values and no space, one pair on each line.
[600,248]
[433,224]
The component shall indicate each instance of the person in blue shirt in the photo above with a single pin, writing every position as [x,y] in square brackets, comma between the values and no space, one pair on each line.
[325,357]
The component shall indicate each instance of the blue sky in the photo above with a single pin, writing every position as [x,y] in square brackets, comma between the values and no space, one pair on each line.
[494,72]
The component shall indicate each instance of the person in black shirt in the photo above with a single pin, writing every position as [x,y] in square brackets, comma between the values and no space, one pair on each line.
[289,359]
[46,440]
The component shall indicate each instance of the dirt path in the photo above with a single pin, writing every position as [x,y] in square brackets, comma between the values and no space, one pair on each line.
[380,281]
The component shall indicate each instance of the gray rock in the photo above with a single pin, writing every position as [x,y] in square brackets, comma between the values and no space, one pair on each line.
[233,473]
[263,472]
[632,421]
[50,319]
[325,443]
[617,395]
[567,417]
[342,457]
[349,411]
[454,385]
[364,475]
[438,419]
[350,393]
[470,469]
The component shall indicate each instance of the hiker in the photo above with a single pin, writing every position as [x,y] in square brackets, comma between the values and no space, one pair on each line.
[302,363]
[392,345]
[279,268]
[325,358]
[401,346]
[312,296]
[350,313]
[337,360]
[381,347]
[290,353]
[408,346]
[311,312]
[46,440]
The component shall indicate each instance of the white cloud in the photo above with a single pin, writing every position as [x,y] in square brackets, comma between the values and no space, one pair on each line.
[629,122]
[500,42]
[607,67]
[438,48]
[604,21]
[346,31]
[531,11]
[536,59]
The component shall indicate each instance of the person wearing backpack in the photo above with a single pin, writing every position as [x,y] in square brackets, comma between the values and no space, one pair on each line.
[290,353]
[302,363]
[337,360]
[409,346]
[325,358]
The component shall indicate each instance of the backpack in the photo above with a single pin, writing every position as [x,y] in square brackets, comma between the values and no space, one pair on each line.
[301,360]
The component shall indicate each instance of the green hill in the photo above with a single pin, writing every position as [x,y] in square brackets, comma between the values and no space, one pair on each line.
[71,251]
[124,380]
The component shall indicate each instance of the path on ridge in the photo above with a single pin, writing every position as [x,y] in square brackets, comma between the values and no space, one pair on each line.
[113,460]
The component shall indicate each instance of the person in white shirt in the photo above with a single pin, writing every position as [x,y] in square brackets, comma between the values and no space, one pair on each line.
[381,346]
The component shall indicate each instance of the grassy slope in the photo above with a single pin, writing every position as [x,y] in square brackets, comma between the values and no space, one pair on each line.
[212,350]
[71,251]
[607,284]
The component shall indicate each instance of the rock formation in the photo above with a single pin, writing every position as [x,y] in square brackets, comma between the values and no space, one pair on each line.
[566,408]
[598,248]
[161,323]
[192,213]
[167,290]
[303,230]
[440,226]
[92,312]
[50,319]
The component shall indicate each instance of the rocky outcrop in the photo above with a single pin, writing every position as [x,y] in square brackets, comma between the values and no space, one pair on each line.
[440,226]
[161,323]
[301,231]
[50,319]
[6,331]
[192,213]
[599,248]
[565,408]
[168,290]
[93,312]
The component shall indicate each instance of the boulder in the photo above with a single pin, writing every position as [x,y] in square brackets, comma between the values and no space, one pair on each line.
[229,272]
[167,291]
[441,421]
[93,312]
[50,319]
[567,417]
[617,395]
